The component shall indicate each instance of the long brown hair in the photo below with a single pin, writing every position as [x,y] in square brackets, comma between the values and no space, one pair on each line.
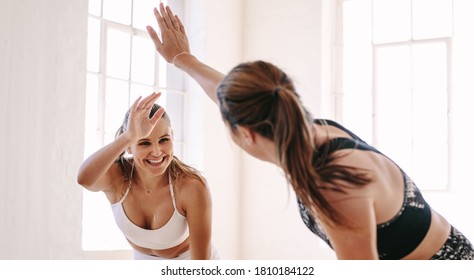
[177,169]
[262,97]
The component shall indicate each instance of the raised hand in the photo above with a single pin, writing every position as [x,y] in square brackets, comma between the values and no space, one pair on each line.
[174,48]
[174,41]
[140,125]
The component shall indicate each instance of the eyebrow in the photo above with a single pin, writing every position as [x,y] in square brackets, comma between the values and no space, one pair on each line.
[162,136]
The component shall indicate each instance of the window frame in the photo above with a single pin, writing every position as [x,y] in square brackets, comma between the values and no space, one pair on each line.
[339,92]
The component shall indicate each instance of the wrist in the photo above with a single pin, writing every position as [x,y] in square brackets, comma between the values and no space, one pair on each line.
[127,137]
[180,59]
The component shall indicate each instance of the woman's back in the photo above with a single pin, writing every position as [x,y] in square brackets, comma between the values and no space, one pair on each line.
[406,226]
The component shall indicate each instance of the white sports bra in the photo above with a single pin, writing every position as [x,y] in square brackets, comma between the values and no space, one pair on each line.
[173,233]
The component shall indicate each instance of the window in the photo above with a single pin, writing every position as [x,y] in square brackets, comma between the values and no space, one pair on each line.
[122,65]
[396,82]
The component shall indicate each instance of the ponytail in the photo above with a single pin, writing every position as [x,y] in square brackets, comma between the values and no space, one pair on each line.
[282,118]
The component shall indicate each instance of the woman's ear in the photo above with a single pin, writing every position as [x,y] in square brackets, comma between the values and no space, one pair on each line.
[248,135]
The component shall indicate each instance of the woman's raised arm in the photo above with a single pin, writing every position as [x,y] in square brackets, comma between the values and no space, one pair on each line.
[174,48]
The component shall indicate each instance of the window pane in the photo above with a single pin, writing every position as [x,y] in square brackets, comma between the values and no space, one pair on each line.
[391,20]
[174,78]
[432,18]
[118,54]
[143,61]
[357,23]
[118,10]
[394,127]
[91,122]
[393,68]
[357,89]
[394,105]
[116,105]
[140,90]
[95,7]
[357,68]
[430,115]
[92,97]
[174,106]
[93,44]
[143,13]
[358,113]
[429,66]
[162,68]
[430,142]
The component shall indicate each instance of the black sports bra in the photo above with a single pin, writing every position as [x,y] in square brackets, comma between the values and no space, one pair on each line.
[405,231]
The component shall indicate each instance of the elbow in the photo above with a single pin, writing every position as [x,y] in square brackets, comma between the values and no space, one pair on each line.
[83,180]
[85,177]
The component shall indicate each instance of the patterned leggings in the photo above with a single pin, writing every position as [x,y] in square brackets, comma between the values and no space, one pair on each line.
[457,247]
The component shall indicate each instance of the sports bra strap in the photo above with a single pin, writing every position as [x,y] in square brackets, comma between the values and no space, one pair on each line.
[172,193]
[348,143]
[126,193]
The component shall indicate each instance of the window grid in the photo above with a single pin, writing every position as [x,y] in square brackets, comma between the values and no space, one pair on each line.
[341,95]
[102,76]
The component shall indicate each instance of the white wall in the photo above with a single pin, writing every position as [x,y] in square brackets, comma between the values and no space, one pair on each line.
[42,84]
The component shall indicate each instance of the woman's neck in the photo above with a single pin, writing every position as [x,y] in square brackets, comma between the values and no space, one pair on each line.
[150,182]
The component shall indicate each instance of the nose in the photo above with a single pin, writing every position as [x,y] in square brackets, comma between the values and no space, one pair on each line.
[156,150]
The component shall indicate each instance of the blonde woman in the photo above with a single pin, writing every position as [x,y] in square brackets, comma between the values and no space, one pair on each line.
[162,206]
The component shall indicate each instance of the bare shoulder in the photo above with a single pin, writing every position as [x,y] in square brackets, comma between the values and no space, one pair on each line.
[189,186]
[191,193]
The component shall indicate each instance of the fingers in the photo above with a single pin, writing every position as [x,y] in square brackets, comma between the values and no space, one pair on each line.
[148,101]
[159,19]
[158,114]
[148,104]
[134,106]
[155,38]
[180,25]
[172,18]
[171,39]
[165,17]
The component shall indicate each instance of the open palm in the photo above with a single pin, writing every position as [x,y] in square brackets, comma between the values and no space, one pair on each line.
[140,124]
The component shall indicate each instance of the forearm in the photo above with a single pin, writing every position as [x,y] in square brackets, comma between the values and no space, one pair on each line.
[96,166]
[208,78]
[201,248]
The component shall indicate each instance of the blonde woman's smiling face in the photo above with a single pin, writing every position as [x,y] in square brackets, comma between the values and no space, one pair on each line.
[154,153]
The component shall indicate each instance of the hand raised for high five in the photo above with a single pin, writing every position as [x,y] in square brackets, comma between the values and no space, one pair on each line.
[174,41]
[140,124]
[174,48]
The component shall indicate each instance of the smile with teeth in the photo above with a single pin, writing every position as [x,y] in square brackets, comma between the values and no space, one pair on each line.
[155,161]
